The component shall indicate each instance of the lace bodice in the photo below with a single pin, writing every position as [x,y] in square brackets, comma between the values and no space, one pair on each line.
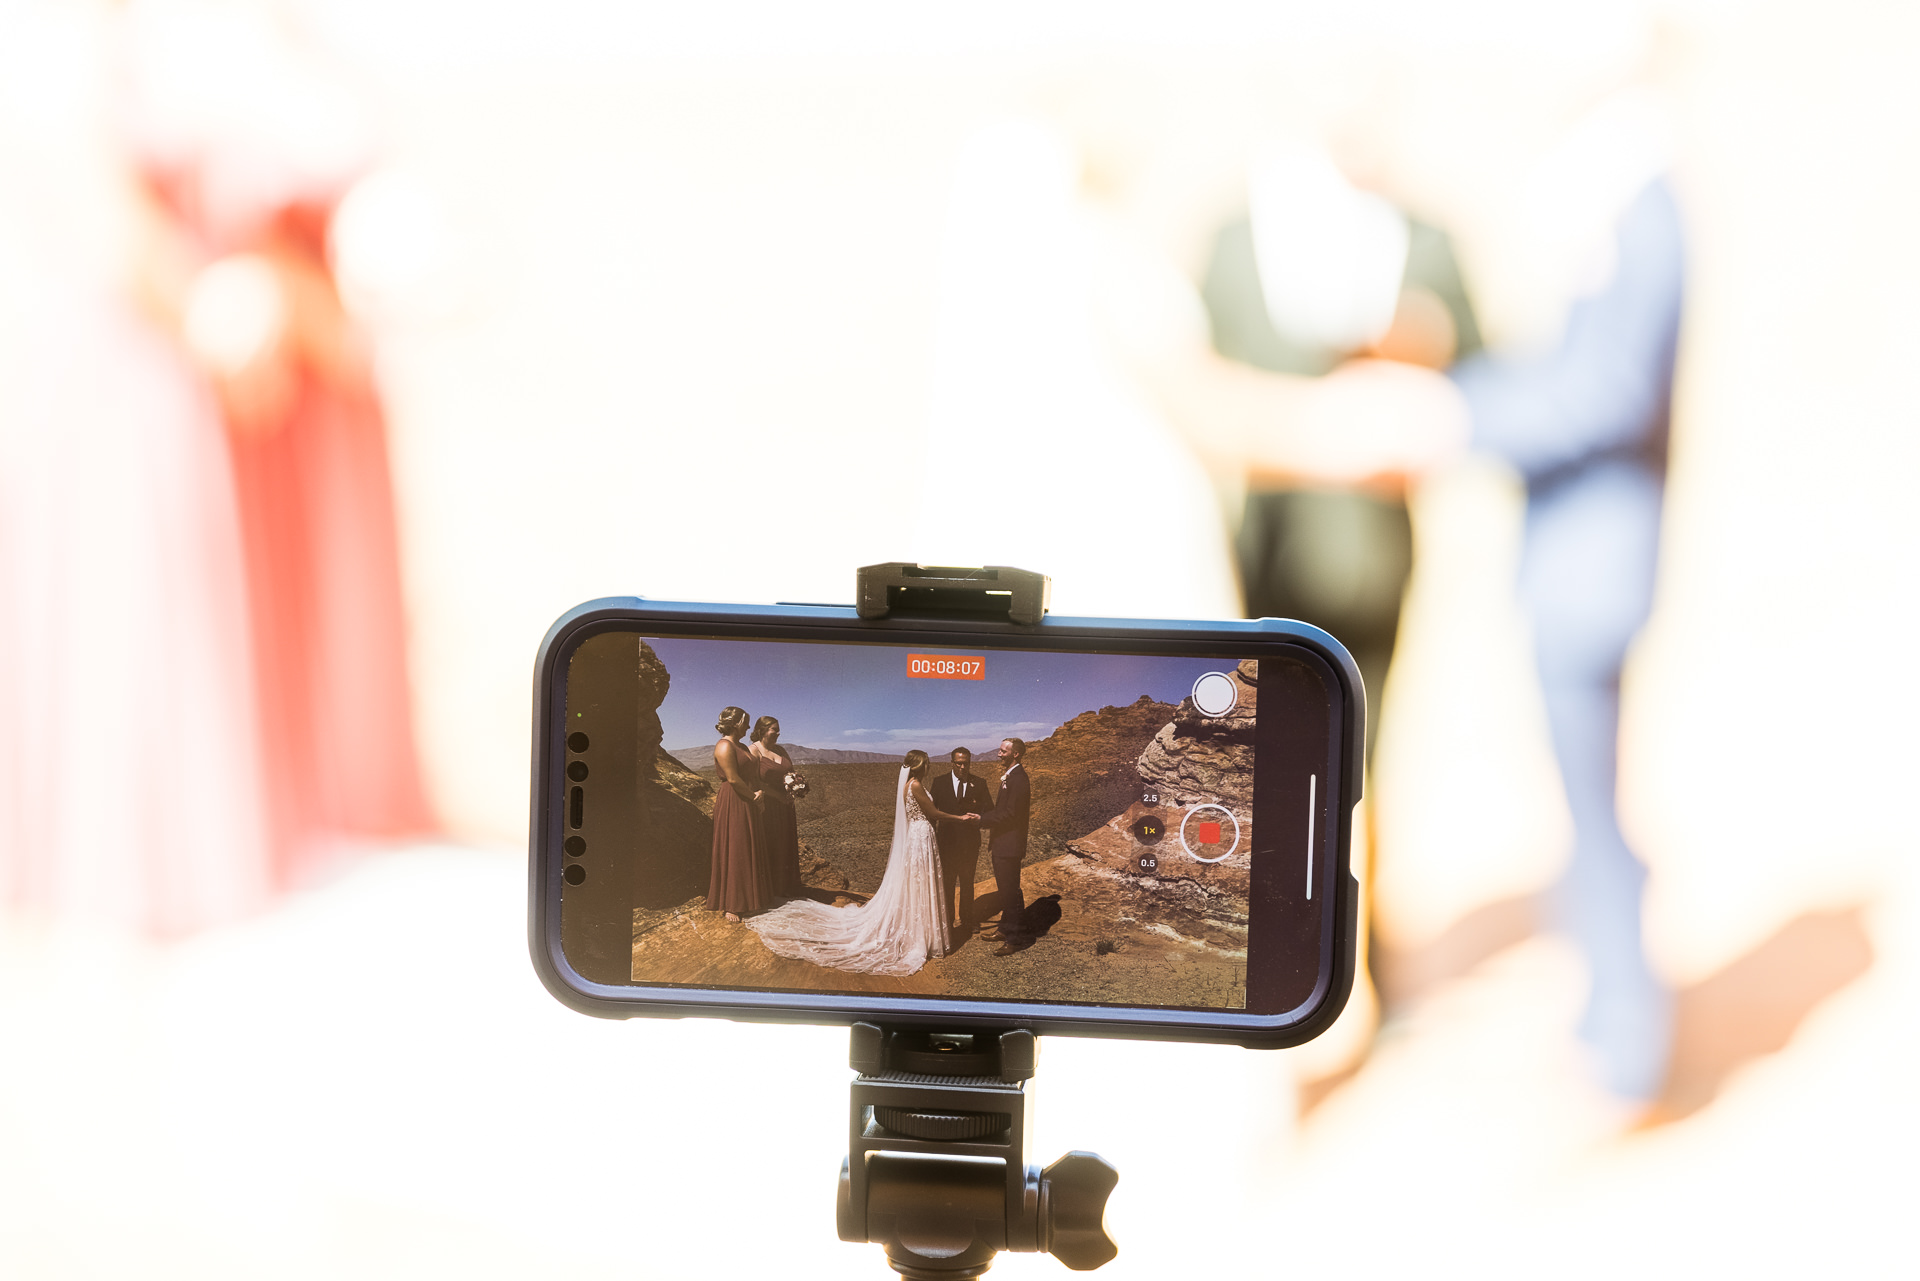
[914,813]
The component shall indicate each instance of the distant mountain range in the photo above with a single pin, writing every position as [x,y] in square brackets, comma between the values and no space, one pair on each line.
[702,757]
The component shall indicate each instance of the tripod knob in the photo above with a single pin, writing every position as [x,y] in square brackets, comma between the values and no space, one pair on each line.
[1073,1210]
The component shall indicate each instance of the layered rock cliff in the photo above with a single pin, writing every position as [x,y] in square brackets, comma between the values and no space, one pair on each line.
[1195,761]
[1198,757]
[675,856]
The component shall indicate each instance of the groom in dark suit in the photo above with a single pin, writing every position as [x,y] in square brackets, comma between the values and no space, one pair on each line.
[959,793]
[1006,825]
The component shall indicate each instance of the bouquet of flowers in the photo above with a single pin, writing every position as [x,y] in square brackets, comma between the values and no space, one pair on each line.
[795,784]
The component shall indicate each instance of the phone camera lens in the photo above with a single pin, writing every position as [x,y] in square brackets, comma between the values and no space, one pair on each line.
[577,771]
[576,845]
[576,742]
[575,874]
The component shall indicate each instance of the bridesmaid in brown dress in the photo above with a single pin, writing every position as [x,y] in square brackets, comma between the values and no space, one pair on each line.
[779,826]
[741,885]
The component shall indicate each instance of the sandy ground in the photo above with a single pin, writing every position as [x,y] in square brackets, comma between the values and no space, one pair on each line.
[1118,940]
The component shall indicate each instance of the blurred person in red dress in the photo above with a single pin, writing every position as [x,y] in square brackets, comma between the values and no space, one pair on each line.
[130,792]
[248,142]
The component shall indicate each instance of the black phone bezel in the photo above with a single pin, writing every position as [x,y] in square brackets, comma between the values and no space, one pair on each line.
[1339,935]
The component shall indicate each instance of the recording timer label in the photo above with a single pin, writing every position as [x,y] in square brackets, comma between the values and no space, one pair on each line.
[945,667]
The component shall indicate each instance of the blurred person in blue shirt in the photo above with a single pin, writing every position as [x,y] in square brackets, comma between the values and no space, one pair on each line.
[1582,415]
[1584,421]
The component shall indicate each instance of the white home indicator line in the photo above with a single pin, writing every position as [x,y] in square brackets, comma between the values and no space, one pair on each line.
[1312,782]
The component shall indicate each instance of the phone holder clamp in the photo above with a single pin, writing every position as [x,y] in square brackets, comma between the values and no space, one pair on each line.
[936,1168]
[989,591]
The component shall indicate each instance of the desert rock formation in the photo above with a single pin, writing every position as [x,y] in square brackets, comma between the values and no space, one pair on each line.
[677,856]
[1199,757]
[1193,760]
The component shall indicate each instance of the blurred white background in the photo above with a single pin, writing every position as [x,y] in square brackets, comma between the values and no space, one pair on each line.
[636,276]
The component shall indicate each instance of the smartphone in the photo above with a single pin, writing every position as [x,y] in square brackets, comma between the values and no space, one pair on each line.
[1082,826]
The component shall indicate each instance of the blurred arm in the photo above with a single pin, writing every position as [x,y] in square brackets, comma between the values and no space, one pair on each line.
[1370,422]
[1605,388]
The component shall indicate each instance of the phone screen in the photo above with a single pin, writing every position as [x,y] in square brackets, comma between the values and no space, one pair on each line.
[1084,827]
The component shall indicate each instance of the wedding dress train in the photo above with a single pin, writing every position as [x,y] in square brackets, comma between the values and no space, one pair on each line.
[893,933]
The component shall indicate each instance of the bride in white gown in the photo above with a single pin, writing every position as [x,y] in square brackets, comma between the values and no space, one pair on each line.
[903,924]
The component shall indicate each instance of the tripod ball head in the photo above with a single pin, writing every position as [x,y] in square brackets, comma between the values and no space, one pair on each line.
[937,1168]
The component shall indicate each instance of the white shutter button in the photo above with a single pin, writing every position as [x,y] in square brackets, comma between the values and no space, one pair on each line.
[1215,694]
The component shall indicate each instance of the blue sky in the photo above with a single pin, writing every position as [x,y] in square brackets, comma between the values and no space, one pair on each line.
[859,697]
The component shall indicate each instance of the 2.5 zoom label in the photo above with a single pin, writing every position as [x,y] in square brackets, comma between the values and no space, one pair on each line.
[946,667]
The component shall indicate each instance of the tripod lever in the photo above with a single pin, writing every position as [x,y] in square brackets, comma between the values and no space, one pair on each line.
[1073,1210]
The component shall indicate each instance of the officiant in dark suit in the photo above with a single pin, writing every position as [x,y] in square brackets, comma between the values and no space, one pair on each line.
[959,792]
